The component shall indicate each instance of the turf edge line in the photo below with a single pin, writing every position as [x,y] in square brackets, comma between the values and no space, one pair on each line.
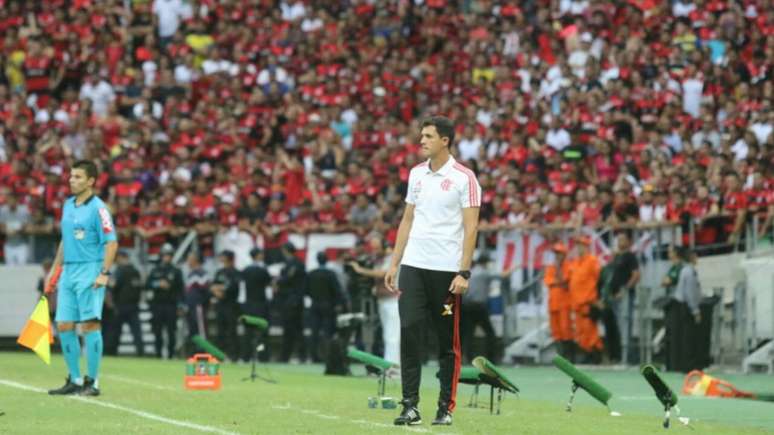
[143,414]
[361,422]
[139,383]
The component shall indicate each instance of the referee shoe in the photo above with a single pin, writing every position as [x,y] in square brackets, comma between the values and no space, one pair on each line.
[68,388]
[88,387]
[409,416]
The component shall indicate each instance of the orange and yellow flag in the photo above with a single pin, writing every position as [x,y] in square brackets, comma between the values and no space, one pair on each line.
[37,334]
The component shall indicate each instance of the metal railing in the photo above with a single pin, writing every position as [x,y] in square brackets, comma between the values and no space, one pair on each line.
[665,231]
[510,300]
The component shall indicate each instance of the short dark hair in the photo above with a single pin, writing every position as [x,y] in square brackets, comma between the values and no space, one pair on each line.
[683,253]
[88,166]
[443,125]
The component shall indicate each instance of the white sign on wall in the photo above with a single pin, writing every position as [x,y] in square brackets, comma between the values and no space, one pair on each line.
[18,293]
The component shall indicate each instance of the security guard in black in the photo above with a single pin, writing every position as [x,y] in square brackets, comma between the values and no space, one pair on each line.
[165,283]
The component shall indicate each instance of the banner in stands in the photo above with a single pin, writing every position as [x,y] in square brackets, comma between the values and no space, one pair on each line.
[530,250]
[330,243]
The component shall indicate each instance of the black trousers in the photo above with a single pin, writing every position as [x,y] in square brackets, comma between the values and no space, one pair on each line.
[612,334]
[125,314]
[672,336]
[477,314]
[164,318]
[682,334]
[322,322]
[425,299]
[226,314]
[293,332]
[703,332]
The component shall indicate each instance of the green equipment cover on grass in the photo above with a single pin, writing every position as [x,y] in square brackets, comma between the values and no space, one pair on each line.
[369,359]
[258,322]
[208,347]
[583,380]
[664,394]
[486,367]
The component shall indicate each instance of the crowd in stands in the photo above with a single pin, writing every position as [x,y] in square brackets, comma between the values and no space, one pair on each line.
[272,116]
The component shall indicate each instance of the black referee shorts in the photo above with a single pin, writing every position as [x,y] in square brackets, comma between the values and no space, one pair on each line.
[425,299]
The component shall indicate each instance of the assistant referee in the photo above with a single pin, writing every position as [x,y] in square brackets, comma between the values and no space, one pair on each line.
[85,254]
[434,248]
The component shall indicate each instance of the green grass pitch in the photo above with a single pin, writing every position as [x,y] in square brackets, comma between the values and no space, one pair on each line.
[146,396]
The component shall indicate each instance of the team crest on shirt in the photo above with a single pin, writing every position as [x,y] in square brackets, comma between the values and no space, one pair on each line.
[446,185]
[107,226]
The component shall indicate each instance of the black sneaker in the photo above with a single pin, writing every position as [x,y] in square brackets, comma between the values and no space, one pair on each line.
[409,416]
[442,418]
[88,387]
[67,388]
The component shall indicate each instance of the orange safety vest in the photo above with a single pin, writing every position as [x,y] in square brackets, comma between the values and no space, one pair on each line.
[558,296]
[583,280]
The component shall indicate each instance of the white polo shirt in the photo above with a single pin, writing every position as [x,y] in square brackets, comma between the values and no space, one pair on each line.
[435,240]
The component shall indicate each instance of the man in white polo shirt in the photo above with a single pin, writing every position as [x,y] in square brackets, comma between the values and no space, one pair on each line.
[434,249]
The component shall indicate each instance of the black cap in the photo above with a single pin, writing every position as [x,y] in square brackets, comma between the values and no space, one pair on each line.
[228,254]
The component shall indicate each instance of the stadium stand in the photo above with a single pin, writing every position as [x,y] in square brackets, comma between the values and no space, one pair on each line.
[265,114]
[262,117]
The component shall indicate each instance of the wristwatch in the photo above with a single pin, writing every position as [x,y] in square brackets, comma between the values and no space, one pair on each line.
[104,272]
[464,273]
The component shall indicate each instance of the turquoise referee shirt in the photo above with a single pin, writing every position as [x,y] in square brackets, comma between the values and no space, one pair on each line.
[86,228]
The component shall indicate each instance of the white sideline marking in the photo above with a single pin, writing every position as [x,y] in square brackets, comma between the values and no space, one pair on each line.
[361,422]
[317,414]
[653,397]
[139,383]
[143,414]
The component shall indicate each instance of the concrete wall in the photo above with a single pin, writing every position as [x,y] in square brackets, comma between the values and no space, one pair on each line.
[18,296]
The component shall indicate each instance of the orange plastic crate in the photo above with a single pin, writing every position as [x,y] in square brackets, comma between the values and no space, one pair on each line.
[202,372]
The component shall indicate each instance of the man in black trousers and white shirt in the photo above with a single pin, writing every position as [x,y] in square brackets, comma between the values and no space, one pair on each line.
[434,249]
